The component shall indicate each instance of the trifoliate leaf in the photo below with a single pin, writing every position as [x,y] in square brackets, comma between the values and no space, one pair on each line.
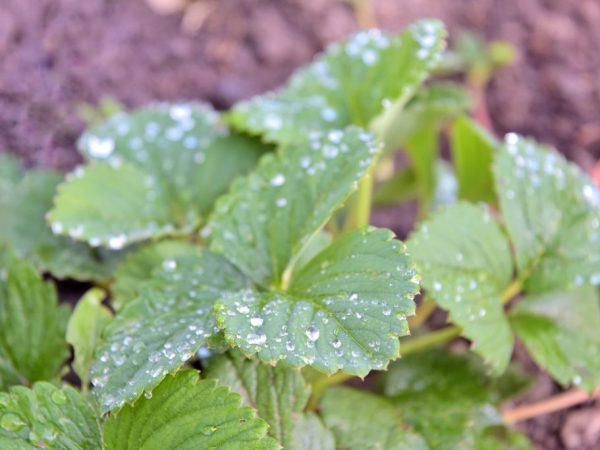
[32,325]
[47,417]
[139,265]
[185,412]
[279,394]
[268,217]
[361,420]
[465,262]
[157,172]
[343,311]
[560,331]
[84,329]
[159,331]
[552,212]
[352,83]
[431,107]
[473,150]
[24,227]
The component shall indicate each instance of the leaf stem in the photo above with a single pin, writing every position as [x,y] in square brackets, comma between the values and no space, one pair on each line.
[556,403]
[425,310]
[320,385]
[420,343]
[511,291]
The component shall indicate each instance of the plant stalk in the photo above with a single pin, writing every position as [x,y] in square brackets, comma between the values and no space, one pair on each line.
[556,403]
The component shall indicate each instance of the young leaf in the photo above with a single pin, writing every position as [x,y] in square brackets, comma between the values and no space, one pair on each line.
[139,265]
[279,394]
[431,107]
[361,420]
[473,150]
[552,212]
[402,186]
[448,399]
[452,376]
[85,326]
[351,83]
[268,217]
[159,331]
[465,262]
[560,331]
[185,412]
[422,149]
[24,227]
[157,172]
[47,417]
[32,325]
[344,310]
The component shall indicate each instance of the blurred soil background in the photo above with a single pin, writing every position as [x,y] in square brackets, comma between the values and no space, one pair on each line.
[58,54]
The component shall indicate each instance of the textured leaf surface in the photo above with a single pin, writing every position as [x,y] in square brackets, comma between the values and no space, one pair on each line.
[279,394]
[552,212]
[158,172]
[32,325]
[360,420]
[473,151]
[268,217]
[47,417]
[448,398]
[560,331]
[187,413]
[343,311]
[352,83]
[24,227]
[156,333]
[84,329]
[139,265]
[465,262]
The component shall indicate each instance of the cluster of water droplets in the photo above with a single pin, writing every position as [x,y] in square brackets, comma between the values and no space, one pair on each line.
[539,182]
[139,351]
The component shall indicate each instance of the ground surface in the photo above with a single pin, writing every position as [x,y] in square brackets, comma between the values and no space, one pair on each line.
[57,54]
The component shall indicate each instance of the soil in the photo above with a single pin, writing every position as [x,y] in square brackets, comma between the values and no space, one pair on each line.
[59,54]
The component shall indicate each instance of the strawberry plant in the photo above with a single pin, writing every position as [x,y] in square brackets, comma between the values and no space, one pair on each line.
[238,282]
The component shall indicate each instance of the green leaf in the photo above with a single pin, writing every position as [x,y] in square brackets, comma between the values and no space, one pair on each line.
[11,172]
[473,150]
[32,325]
[343,311]
[185,412]
[360,420]
[448,399]
[402,186]
[453,377]
[139,265]
[279,394]
[422,149]
[352,83]
[24,227]
[85,326]
[431,107]
[268,217]
[465,262]
[552,212]
[157,172]
[47,417]
[560,331]
[159,331]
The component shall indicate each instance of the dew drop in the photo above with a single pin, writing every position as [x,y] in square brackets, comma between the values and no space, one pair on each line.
[148,395]
[312,333]
[11,422]
[59,397]
[117,242]
[256,338]
[278,180]
[256,321]
[281,202]
[100,147]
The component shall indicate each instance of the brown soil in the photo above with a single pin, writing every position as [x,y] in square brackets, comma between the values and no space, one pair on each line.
[57,54]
